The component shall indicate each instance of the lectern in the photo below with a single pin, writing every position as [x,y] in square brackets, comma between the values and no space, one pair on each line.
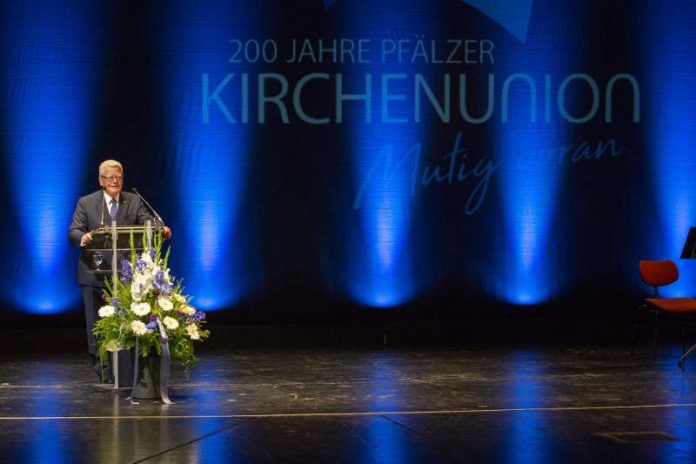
[109,246]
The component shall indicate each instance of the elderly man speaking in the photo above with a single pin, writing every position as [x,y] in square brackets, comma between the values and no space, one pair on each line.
[96,210]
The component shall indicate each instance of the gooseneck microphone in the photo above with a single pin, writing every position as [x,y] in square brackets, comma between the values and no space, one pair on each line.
[157,216]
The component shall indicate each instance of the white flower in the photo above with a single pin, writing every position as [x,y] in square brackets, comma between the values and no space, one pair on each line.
[140,286]
[140,309]
[188,310]
[142,282]
[147,259]
[170,323]
[138,328]
[164,303]
[106,311]
[192,331]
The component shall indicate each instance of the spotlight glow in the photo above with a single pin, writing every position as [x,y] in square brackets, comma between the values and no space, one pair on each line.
[524,438]
[671,72]
[51,62]
[383,275]
[212,155]
[381,265]
[530,185]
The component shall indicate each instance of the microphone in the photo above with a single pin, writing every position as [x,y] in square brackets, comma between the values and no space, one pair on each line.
[157,216]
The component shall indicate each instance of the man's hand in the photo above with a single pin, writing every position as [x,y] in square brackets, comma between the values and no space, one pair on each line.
[86,239]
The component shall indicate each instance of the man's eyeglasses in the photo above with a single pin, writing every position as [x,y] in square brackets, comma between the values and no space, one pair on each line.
[112,178]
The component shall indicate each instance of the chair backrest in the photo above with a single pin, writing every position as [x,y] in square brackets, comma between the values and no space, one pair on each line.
[658,273]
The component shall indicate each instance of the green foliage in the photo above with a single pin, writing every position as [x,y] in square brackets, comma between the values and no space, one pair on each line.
[151,296]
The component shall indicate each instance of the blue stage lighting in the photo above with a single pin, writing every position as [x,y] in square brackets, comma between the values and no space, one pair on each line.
[525,437]
[675,419]
[51,62]
[382,273]
[376,100]
[210,147]
[529,192]
[528,129]
[671,76]
[384,392]
[47,443]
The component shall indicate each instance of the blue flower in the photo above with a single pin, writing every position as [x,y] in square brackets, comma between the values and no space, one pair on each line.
[196,317]
[167,289]
[126,271]
[140,265]
[159,278]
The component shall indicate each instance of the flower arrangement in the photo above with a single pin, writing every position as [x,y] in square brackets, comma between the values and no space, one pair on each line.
[148,305]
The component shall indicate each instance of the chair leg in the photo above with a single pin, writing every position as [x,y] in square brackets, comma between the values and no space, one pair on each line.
[686,353]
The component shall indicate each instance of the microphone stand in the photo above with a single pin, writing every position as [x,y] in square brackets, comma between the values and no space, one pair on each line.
[157,216]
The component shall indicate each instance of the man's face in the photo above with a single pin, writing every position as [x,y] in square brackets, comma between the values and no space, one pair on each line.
[112,181]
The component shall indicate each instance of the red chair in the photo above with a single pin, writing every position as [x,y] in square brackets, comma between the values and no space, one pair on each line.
[657,274]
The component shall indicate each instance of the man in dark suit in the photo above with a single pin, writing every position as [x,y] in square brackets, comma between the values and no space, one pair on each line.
[96,210]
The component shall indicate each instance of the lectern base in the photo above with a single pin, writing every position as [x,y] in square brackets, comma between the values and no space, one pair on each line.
[122,369]
[148,386]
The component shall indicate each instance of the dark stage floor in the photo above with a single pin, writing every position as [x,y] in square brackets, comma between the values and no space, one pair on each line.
[588,403]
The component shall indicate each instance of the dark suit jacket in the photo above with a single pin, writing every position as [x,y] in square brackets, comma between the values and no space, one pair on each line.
[91,213]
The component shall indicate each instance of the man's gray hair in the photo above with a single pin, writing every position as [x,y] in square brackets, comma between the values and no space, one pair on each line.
[109,164]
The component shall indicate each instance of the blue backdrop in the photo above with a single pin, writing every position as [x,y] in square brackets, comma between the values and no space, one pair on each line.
[355,155]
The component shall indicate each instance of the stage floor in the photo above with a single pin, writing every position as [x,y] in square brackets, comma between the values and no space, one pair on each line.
[479,404]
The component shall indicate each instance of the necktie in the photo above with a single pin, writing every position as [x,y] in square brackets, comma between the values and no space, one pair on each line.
[112,210]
